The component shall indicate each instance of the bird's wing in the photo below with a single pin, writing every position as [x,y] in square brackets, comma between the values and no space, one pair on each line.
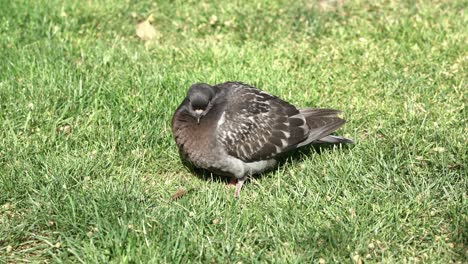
[257,126]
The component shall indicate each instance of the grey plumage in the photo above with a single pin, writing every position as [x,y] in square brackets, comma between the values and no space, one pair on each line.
[238,130]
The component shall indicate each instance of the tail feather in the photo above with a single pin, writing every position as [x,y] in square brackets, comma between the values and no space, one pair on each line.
[319,112]
[334,140]
[323,122]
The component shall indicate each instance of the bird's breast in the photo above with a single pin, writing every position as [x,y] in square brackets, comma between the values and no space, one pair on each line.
[197,143]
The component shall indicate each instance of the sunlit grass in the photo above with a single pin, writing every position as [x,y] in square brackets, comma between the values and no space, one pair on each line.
[88,165]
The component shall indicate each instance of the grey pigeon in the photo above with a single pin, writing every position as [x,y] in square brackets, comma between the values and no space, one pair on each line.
[236,130]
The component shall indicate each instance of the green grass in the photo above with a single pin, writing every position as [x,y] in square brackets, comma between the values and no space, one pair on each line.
[88,165]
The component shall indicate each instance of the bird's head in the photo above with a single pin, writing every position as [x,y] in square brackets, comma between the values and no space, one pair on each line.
[200,96]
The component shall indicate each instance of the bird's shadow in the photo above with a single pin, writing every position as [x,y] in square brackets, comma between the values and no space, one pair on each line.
[297,155]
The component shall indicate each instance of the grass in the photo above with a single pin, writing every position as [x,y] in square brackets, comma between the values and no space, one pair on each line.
[88,165]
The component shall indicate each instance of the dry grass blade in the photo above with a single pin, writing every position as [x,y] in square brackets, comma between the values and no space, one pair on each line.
[178,194]
[145,30]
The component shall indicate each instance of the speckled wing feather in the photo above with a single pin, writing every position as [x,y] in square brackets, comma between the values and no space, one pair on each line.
[257,126]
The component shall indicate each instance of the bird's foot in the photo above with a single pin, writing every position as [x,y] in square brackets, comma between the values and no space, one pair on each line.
[239,184]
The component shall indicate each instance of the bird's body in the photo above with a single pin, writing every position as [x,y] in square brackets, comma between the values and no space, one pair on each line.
[237,130]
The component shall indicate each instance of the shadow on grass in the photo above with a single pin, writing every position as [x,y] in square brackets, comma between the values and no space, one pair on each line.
[286,158]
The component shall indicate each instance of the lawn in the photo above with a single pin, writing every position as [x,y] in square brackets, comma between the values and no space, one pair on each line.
[88,166]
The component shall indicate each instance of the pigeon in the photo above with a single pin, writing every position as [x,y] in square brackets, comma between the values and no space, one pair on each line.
[234,129]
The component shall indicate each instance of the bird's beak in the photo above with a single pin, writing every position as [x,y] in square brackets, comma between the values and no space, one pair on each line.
[198,112]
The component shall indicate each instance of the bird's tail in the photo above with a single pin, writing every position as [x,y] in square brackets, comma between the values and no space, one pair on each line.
[334,140]
[321,123]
